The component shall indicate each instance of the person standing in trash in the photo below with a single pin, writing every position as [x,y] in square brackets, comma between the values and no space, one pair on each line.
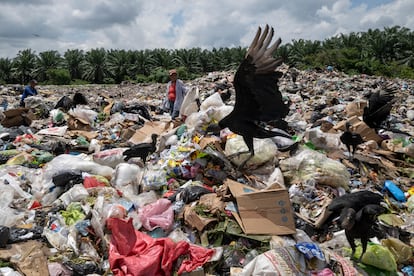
[175,93]
[29,90]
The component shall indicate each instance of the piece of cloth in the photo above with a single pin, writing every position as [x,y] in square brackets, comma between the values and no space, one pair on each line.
[180,92]
[28,91]
[132,252]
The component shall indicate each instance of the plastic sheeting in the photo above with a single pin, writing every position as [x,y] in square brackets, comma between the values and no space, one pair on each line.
[134,253]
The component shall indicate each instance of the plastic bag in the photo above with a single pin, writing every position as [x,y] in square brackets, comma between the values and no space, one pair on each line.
[289,262]
[67,162]
[265,150]
[212,101]
[83,113]
[125,174]
[135,253]
[309,164]
[76,193]
[401,251]
[378,256]
[189,104]
[324,140]
[154,179]
[157,214]
[110,158]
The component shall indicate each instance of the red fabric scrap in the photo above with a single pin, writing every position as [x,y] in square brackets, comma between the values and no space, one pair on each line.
[134,253]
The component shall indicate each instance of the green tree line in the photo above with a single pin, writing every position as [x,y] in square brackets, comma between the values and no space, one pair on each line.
[388,52]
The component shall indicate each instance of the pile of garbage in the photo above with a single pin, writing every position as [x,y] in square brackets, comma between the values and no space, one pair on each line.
[83,191]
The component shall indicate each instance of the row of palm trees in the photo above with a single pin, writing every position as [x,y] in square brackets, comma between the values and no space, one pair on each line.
[388,52]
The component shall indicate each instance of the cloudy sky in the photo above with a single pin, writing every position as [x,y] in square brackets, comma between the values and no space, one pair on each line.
[43,25]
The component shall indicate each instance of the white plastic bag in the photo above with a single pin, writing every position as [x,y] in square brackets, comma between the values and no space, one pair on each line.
[312,165]
[265,150]
[213,101]
[110,157]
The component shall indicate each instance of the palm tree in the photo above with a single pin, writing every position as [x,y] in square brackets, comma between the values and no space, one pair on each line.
[73,61]
[46,61]
[188,58]
[162,59]
[6,67]
[205,61]
[95,65]
[118,64]
[24,65]
[140,63]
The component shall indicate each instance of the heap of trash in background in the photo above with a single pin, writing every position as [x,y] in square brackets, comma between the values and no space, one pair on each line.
[72,204]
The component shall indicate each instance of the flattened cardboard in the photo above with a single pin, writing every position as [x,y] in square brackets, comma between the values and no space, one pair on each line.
[355,108]
[361,128]
[195,220]
[262,212]
[144,133]
[17,117]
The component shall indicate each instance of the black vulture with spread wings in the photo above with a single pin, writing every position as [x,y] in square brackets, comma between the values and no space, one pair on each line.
[379,107]
[258,99]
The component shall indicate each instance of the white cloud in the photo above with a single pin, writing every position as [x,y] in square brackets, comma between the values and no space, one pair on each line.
[135,24]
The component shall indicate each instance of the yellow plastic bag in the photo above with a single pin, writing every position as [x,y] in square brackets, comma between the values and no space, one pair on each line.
[401,251]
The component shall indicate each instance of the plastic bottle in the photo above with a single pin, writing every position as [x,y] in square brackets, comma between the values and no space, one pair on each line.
[396,192]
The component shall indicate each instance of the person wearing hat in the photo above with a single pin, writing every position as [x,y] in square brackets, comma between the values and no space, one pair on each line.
[29,90]
[175,93]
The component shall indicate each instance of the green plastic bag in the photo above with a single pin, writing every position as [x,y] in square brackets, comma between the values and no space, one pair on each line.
[378,256]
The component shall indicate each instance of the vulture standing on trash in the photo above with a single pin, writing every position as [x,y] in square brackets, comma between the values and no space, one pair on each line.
[141,150]
[359,224]
[379,107]
[258,99]
[356,200]
[351,140]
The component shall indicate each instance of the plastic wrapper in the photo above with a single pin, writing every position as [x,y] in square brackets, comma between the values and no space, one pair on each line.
[76,193]
[265,150]
[8,216]
[83,113]
[309,164]
[110,158]
[310,250]
[288,261]
[153,179]
[157,214]
[324,140]
[15,184]
[73,213]
[94,146]
[20,159]
[189,194]
[53,131]
[8,271]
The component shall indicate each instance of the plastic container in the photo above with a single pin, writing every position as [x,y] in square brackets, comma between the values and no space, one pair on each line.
[396,192]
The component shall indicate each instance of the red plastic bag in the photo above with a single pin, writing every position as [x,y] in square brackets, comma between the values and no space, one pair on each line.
[132,252]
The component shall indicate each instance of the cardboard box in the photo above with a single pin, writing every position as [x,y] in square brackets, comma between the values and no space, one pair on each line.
[143,134]
[361,128]
[262,212]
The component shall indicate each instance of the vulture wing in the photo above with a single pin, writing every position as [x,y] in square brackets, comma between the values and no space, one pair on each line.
[257,95]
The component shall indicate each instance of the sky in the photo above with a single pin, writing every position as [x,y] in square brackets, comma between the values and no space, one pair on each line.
[43,25]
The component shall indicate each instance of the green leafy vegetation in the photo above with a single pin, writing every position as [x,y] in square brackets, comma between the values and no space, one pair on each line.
[388,52]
